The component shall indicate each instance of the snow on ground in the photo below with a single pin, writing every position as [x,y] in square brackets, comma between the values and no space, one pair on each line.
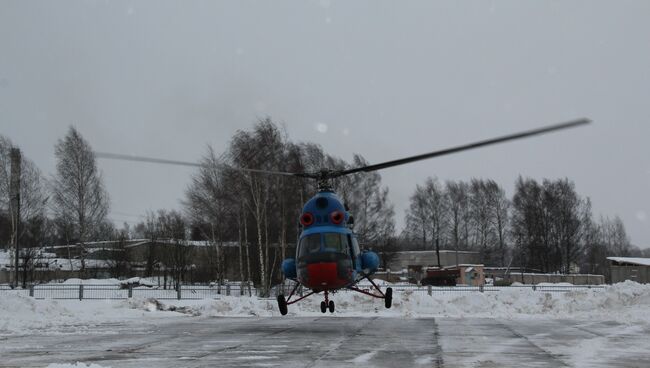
[76,365]
[21,314]
[626,302]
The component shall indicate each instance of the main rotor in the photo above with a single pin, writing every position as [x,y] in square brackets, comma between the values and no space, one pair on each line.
[325,175]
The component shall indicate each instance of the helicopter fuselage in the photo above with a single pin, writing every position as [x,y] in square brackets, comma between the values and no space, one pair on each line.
[328,256]
[332,266]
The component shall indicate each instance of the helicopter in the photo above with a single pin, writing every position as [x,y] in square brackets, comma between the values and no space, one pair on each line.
[328,255]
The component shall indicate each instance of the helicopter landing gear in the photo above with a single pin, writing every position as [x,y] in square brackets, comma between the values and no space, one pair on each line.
[387,296]
[283,303]
[327,304]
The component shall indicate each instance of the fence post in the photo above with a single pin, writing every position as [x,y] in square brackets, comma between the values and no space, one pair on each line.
[81,292]
[31,290]
[429,290]
[480,288]
[178,291]
[130,291]
[228,289]
[534,287]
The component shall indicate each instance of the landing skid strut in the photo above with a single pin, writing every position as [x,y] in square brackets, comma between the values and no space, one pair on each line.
[329,304]
[388,296]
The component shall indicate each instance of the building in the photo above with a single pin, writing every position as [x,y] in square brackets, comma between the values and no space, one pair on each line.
[628,268]
[422,267]
[428,258]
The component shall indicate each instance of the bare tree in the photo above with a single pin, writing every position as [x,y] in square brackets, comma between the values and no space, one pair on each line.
[176,253]
[119,257]
[32,200]
[549,224]
[499,206]
[458,195]
[262,148]
[614,236]
[211,206]
[79,196]
[368,201]
[429,213]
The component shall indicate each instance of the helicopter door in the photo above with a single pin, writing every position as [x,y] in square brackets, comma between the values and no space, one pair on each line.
[354,249]
[353,254]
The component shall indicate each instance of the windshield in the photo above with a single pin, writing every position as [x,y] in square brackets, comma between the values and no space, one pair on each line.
[309,244]
[335,242]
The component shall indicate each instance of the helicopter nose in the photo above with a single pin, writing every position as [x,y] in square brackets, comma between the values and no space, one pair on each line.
[323,274]
[325,270]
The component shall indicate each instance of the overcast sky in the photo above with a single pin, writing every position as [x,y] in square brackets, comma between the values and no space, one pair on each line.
[382,78]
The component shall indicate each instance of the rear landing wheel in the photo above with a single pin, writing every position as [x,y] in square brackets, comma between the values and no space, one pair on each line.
[331,306]
[323,307]
[282,305]
[388,298]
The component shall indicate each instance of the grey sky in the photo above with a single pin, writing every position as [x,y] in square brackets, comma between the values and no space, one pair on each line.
[382,78]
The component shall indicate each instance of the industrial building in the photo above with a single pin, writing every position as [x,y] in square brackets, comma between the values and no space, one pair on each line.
[456,267]
[628,268]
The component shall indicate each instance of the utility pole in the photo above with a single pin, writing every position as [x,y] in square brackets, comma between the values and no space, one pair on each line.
[14,192]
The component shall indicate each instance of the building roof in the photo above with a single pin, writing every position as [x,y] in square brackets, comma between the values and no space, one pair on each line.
[442,251]
[631,260]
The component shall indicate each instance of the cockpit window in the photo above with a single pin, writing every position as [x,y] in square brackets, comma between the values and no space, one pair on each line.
[336,242]
[309,244]
[355,245]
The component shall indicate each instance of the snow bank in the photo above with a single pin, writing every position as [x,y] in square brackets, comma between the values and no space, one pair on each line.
[22,314]
[92,282]
[626,302]
[76,365]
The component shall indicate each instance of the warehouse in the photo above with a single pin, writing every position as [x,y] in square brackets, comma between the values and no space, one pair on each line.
[628,268]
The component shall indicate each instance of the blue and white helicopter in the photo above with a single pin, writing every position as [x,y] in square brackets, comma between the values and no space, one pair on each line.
[328,256]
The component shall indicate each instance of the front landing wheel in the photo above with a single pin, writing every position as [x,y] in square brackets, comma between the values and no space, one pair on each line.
[323,307]
[388,297]
[282,305]
[330,306]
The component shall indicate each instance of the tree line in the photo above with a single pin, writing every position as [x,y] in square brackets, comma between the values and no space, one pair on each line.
[221,205]
[544,225]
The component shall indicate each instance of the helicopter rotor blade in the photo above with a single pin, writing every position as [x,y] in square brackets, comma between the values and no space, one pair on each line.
[119,156]
[425,156]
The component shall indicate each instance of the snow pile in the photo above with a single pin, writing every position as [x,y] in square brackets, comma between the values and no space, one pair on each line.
[18,312]
[92,282]
[76,365]
[137,281]
[5,260]
[626,302]
[21,314]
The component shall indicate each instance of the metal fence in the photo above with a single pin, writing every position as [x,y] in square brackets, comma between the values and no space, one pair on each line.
[112,291]
[436,290]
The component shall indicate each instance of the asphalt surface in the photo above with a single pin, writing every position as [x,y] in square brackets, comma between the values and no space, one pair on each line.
[331,341]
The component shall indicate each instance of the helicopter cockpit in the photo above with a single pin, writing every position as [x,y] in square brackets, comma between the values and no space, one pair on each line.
[328,242]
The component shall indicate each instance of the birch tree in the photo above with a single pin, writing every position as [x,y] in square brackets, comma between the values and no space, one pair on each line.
[78,193]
